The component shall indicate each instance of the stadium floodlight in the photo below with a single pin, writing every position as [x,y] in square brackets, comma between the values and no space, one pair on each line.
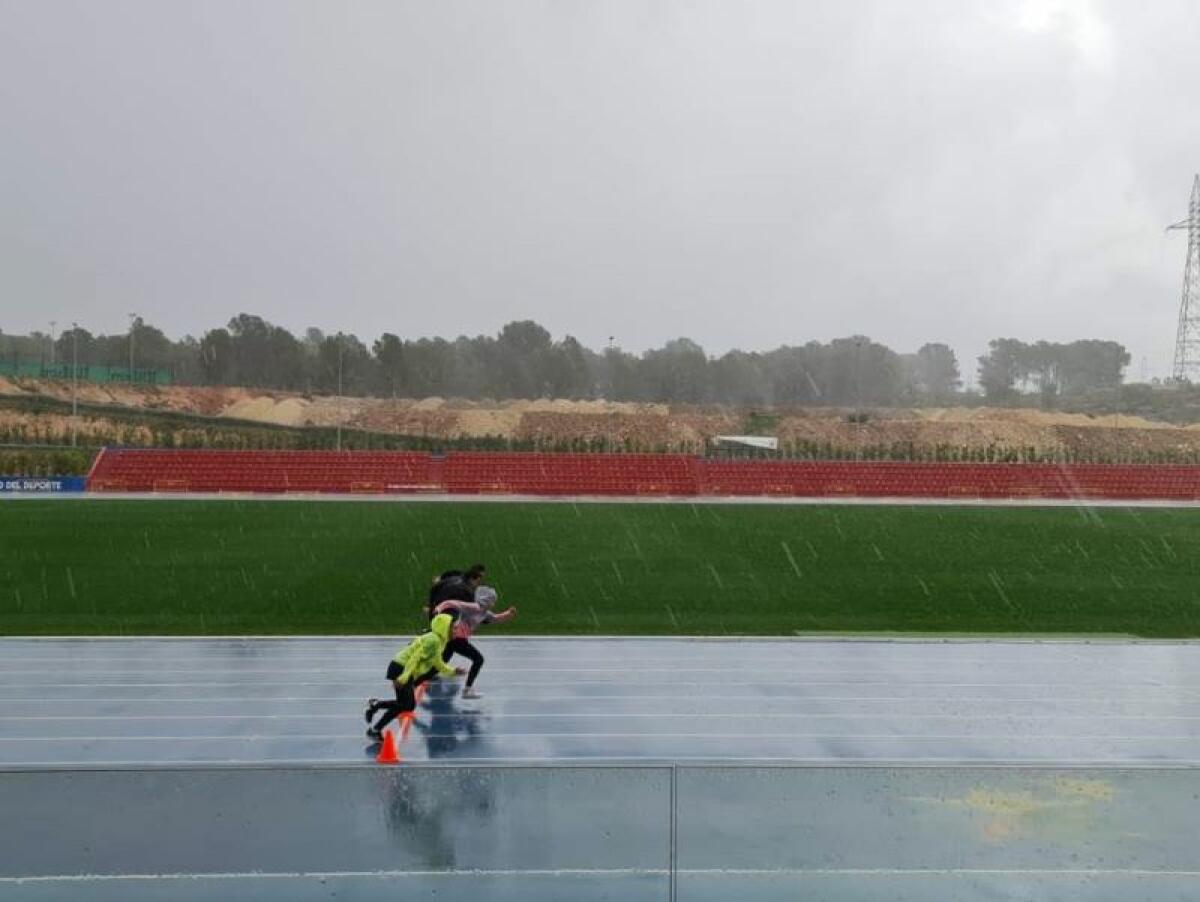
[133,318]
[339,391]
[74,383]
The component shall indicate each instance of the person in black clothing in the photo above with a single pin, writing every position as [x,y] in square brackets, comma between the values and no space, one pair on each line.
[417,662]
[455,585]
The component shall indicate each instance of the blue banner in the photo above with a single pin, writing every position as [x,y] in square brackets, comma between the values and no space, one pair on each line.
[42,484]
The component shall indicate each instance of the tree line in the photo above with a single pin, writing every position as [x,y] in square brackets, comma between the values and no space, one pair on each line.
[1050,369]
[523,360]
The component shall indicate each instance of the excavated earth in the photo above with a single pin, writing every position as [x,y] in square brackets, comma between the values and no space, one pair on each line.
[643,426]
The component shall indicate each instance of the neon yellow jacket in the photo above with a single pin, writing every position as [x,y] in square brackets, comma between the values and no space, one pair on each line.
[425,652]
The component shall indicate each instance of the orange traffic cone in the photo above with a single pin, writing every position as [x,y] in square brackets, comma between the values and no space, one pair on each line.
[387,753]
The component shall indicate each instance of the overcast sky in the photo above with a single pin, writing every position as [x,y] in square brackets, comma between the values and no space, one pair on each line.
[744,173]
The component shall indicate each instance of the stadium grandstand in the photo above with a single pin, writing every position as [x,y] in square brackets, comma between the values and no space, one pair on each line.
[671,475]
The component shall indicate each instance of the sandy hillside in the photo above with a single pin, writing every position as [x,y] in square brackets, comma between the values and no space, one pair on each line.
[644,425]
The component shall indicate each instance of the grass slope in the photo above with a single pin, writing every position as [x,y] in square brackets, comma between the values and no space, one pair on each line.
[190,567]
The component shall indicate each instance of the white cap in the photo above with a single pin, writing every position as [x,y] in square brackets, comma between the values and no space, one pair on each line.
[485,597]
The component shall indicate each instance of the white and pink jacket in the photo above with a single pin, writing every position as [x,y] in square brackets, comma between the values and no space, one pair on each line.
[472,614]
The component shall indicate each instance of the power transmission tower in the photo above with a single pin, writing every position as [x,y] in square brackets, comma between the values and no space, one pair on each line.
[1187,336]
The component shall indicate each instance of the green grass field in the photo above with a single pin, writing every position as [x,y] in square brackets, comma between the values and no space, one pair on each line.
[241,567]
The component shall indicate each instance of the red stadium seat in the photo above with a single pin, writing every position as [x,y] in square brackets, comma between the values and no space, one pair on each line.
[150,470]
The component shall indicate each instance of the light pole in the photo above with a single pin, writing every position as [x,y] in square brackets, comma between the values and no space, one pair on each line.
[857,402]
[74,383]
[133,317]
[53,323]
[611,393]
[608,396]
[339,392]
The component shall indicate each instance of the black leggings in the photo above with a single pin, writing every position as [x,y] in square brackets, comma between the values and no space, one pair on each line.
[406,698]
[467,650]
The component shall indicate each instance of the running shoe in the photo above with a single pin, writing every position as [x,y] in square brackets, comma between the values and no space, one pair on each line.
[374,734]
[372,704]
[469,692]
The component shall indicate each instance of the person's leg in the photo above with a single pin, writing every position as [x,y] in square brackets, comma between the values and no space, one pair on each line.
[455,647]
[393,709]
[373,704]
[469,651]
[420,681]
[405,701]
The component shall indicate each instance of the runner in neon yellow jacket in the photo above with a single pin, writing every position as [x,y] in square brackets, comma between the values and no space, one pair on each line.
[417,662]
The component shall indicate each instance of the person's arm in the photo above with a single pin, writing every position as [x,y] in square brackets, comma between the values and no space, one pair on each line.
[406,674]
[503,616]
[460,610]
[445,669]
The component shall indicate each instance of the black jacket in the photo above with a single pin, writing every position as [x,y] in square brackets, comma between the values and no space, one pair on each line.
[451,586]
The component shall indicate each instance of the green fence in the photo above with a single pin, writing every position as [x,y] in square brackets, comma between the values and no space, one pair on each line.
[41,370]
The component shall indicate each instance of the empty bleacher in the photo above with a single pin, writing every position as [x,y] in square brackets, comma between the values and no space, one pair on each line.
[570,474]
[479,473]
[904,479]
[152,470]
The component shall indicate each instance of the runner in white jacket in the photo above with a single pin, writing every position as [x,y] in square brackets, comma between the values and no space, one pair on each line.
[470,615]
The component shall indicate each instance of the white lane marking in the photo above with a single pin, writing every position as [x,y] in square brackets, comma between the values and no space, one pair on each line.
[593,644]
[500,695]
[873,737]
[1100,688]
[653,664]
[807,646]
[795,873]
[630,667]
[887,637]
[816,651]
[622,715]
[897,642]
[631,761]
[330,875]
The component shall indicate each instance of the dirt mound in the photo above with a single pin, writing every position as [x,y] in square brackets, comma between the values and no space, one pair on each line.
[501,422]
[1027,417]
[552,422]
[402,419]
[281,411]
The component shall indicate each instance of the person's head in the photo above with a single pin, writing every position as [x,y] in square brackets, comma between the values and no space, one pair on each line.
[440,626]
[485,597]
[475,574]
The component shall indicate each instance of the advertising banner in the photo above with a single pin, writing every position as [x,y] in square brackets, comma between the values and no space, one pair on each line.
[42,484]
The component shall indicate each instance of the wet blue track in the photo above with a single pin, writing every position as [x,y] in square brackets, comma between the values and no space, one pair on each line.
[602,769]
[135,702]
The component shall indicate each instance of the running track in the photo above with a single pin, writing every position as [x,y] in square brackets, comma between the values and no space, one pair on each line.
[936,771]
[91,702]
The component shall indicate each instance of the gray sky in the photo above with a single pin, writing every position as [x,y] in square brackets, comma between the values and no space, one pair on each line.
[743,173]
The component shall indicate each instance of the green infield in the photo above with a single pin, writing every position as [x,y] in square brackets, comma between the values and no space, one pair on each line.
[272,567]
